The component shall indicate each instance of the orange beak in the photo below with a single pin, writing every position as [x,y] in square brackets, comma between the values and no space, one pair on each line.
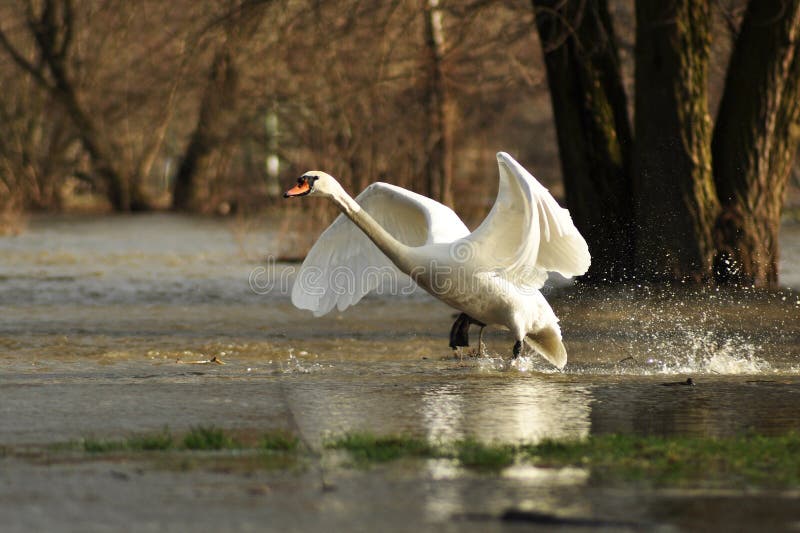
[298,190]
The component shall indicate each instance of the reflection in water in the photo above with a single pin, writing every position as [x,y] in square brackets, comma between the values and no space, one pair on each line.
[524,487]
[443,412]
[517,410]
[527,410]
[445,498]
[522,409]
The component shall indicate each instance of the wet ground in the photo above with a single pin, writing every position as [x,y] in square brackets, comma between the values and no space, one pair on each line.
[105,325]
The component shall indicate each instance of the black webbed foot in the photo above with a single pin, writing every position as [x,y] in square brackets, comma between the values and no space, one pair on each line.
[459,333]
[517,349]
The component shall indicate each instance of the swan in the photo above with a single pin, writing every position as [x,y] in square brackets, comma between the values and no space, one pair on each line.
[492,275]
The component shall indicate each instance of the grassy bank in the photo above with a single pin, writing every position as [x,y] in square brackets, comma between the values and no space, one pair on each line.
[743,460]
[748,460]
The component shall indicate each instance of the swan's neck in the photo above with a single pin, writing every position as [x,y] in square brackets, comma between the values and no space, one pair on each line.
[396,251]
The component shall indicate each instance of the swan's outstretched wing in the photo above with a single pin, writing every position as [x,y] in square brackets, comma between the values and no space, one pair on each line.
[527,233]
[344,264]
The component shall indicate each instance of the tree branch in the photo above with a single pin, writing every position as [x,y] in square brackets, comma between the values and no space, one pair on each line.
[23,63]
[66,40]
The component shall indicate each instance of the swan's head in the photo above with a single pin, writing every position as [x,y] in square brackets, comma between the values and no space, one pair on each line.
[314,183]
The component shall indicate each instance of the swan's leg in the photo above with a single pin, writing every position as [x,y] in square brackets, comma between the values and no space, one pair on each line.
[459,333]
[481,347]
[480,350]
[517,349]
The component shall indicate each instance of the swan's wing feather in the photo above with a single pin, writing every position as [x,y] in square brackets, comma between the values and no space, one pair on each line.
[527,234]
[344,264]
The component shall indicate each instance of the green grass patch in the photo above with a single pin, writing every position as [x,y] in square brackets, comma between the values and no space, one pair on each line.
[738,461]
[279,441]
[470,453]
[157,441]
[208,438]
[482,456]
[750,460]
[731,462]
[366,447]
[93,445]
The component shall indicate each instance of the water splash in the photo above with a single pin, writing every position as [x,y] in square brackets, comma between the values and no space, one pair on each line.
[646,330]
[705,352]
[295,365]
[524,364]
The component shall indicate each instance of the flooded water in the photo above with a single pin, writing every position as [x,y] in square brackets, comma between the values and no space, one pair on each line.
[105,324]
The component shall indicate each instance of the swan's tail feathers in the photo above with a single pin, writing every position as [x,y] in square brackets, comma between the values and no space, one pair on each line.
[547,342]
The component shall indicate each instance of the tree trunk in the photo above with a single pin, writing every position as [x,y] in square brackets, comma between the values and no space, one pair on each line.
[124,192]
[593,128]
[217,98]
[675,200]
[439,159]
[755,139]
[787,131]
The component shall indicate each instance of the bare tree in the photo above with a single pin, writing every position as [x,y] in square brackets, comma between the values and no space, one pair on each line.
[152,88]
[239,23]
[438,107]
[52,27]
[85,58]
[37,148]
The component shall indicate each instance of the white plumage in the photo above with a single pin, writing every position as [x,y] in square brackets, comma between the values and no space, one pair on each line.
[493,274]
[345,258]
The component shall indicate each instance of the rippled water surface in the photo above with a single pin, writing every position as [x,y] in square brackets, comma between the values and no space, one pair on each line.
[107,326]
[129,302]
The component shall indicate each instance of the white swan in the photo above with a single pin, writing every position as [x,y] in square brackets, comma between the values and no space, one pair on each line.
[492,275]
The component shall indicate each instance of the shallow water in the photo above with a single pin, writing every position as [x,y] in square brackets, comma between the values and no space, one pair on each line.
[130,303]
[105,324]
